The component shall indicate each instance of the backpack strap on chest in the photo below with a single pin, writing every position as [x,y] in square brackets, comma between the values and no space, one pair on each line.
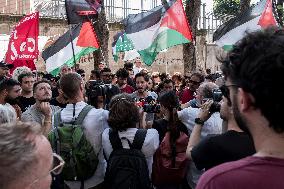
[83,114]
[139,139]
[114,139]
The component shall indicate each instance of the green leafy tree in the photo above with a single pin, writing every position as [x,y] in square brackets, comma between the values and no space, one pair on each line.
[226,7]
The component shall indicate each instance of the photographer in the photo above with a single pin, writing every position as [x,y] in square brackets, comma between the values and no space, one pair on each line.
[232,145]
[212,126]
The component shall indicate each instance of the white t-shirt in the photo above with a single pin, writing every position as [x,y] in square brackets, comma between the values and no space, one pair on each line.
[150,145]
[94,123]
[212,126]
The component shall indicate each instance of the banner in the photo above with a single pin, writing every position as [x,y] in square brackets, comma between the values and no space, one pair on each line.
[23,43]
[79,10]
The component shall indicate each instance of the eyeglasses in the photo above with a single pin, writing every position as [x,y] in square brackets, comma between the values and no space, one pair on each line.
[194,82]
[57,167]
[225,90]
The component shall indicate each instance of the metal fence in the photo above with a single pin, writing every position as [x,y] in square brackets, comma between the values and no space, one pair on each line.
[208,21]
[117,10]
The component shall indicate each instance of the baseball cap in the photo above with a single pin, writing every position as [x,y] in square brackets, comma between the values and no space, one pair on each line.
[3,64]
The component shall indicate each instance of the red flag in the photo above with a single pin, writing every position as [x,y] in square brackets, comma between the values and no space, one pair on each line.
[23,44]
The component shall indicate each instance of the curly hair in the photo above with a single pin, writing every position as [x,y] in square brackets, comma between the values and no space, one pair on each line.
[123,113]
[256,64]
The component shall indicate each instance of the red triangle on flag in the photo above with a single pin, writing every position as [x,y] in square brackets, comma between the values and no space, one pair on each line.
[267,17]
[87,36]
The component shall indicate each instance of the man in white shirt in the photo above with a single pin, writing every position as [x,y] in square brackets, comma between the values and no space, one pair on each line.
[94,124]
[137,66]
[212,126]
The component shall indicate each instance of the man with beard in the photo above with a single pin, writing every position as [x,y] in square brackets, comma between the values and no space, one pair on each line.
[122,75]
[10,90]
[41,112]
[141,94]
[192,84]
[4,69]
[253,72]
[110,90]
[232,145]
[26,99]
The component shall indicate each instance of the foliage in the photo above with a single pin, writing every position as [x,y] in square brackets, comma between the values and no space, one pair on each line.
[226,7]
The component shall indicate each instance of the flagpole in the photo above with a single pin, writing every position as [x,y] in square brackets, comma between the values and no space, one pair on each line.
[72,45]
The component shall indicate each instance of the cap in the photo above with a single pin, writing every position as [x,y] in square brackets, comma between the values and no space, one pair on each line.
[3,64]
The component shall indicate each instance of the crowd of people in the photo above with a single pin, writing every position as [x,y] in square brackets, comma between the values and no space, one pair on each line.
[135,129]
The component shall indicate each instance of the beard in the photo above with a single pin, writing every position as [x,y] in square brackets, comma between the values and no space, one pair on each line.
[12,101]
[242,123]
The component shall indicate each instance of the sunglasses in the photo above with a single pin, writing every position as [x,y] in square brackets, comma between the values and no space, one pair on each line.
[57,167]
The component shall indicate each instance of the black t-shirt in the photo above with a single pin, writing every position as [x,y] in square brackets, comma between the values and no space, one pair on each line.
[161,125]
[54,102]
[25,103]
[215,150]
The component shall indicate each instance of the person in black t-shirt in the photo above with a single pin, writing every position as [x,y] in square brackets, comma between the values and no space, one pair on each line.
[26,99]
[232,145]
[60,100]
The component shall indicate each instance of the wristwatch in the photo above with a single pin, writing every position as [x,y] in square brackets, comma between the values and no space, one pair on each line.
[199,121]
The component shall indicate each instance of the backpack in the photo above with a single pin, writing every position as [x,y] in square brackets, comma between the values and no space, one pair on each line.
[69,141]
[127,168]
[170,163]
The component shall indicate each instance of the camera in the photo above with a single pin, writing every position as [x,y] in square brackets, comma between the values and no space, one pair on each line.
[149,105]
[97,92]
[217,97]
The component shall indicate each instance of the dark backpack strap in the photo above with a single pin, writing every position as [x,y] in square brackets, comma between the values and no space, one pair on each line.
[114,139]
[57,122]
[57,119]
[139,139]
[83,114]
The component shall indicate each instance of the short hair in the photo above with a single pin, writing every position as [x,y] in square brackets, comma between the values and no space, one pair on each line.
[207,89]
[70,90]
[8,84]
[19,70]
[7,114]
[97,73]
[128,66]
[122,73]
[18,151]
[167,81]
[199,75]
[80,71]
[26,74]
[105,70]
[256,64]
[39,82]
[145,76]
[123,113]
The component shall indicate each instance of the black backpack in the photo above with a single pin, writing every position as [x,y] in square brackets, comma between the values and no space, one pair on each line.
[127,168]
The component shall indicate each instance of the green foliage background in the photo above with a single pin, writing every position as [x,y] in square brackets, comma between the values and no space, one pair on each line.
[226,7]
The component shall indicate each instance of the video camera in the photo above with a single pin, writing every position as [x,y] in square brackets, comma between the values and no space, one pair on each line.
[217,97]
[95,89]
[149,105]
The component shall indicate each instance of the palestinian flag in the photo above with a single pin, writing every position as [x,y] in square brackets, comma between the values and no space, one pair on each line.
[79,10]
[60,52]
[120,44]
[160,28]
[257,17]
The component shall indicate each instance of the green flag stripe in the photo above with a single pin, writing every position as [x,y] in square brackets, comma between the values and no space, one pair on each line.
[70,62]
[166,39]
